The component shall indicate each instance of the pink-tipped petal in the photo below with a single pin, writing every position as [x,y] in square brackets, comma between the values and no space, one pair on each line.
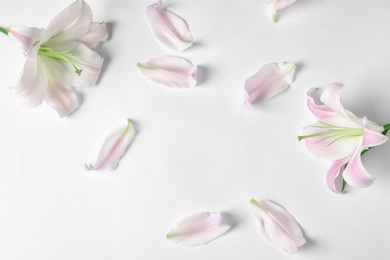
[29,89]
[372,135]
[273,5]
[319,109]
[25,37]
[73,23]
[170,71]
[334,177]
[355,174]
[169,28]
[278,226]
[96,34]
[61,97]
[269,81]
[113,149]
[198,229]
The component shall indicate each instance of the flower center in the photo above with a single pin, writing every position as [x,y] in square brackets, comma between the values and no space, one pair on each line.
[332,131]
[65,56]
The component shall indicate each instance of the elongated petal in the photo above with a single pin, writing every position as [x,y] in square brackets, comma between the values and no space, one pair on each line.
[170,71]
[96,34]
[29,90]
[24,37]
[73,23]
[334,177]
[61,97]
[273,5]
[198,229]
[113,148]
[279,228]
[269,81]
[169,28]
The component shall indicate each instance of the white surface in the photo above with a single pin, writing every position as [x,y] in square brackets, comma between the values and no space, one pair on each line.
[197,149]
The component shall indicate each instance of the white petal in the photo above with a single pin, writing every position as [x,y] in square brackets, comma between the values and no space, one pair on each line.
[170,71]
[279,228]
[198,229]
[113,149]
[24,37]
[96,34]
[169,28]
[61,97]
[273,5]
[269,81]
[71,24]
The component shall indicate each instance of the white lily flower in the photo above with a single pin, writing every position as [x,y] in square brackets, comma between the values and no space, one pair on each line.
[59,58]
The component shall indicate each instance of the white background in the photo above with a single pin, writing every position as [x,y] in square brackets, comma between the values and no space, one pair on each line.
[195,149]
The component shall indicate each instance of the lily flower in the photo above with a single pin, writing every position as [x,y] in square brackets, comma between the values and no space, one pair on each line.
[340,137]
[59,58]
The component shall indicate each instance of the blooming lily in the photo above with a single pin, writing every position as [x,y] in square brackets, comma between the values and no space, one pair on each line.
[340,137]
[58,58]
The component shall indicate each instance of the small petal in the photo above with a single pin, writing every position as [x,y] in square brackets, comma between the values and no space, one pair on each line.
[96,34]
[198,229]
[269,81]
[279,228]
[25,37]
[73,23]
[170,71]
[169,28]
[113,149]
[334,177]
[273,5]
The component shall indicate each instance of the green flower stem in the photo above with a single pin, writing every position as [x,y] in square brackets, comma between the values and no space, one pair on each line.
[4,31]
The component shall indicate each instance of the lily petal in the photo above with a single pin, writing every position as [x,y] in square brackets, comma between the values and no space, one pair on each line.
[170,71]
[355,174]
[372,134]
[198,229]
[334,177]
[71,24]
[28,90]
[97,33]
[113,149]
[169,28]
[24,36]
[269,81]
[61,97]
[278,226]
[273,5]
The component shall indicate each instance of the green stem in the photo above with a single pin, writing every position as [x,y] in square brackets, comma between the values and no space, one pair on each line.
[4,31]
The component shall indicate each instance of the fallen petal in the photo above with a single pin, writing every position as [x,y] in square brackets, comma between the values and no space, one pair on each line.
[269,81]
[113,149]
[170,71]
[24,37]
[169,28]
[273,5]
[279,228]
[198,229]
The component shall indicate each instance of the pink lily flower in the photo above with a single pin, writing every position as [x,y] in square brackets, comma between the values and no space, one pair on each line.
[340,137]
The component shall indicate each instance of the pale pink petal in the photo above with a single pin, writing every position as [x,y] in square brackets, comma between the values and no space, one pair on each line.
[372,135]
[273,5]
[71,24]
[170,71]
[355,174]
[113,149]
[334,177]
[278,226]
[29,89]
[96,34]
[331,97]
[269,81]
[198,229]
[319,109]
[25,37]
[61,97]
[169,28]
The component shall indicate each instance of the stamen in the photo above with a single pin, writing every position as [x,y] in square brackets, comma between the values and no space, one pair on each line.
[62,56]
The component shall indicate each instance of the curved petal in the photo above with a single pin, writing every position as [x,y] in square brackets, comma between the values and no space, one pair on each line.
[96,34]
[170,71]
[60,97]
[113,149]
[278,226]
[25,37]
[319,110]
[198,229]
[169,28]
[72,23]
[29,90]
[334,177]
[269,81]
[372,137]
[273,5]
[331,97]
[355,174]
